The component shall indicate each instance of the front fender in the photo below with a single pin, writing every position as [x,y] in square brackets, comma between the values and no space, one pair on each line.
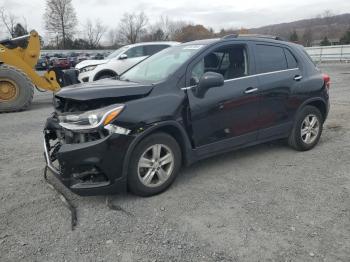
[147,130]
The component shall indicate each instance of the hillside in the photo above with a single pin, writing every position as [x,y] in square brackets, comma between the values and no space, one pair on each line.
[332,27]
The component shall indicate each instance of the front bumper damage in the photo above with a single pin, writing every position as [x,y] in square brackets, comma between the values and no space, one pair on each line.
[86,167]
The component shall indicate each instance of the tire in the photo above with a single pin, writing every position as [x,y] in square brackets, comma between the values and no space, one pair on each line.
[104,76]
[22,85]
[163,174]
[305,136]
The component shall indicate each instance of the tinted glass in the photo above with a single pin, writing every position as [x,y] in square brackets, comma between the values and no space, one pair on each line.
[230,61]
[152,49]
[292,62]
[270,58]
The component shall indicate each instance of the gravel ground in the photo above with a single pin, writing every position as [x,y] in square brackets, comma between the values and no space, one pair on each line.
[265,203]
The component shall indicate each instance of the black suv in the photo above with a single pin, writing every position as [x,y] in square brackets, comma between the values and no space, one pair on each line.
[183,104]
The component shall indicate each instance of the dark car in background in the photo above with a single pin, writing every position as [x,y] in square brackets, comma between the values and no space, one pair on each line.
[183,104]
[62,63]
[97,56]
[73,59]
[42,64]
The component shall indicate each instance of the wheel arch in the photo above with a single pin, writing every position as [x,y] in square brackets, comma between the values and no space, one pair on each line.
[172,128]
[105,72]
[319,103]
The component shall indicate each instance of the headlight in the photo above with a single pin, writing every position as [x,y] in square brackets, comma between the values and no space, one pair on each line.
[88,68]
[91,119]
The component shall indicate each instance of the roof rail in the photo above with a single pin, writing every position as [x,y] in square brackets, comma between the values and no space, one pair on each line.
[262,36]
[230,36]
[253,35]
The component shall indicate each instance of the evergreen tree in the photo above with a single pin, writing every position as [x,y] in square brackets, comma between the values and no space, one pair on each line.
[294,36]
[345,39]
[325,42]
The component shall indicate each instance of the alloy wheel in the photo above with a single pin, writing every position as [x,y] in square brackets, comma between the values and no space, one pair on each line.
[310,128]
[155,165]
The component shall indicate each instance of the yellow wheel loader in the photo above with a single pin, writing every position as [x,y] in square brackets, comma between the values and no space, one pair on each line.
[18,57]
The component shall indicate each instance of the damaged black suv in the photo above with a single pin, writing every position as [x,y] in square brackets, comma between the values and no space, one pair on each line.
[185,103]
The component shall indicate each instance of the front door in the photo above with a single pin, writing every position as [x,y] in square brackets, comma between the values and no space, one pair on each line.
[226,116]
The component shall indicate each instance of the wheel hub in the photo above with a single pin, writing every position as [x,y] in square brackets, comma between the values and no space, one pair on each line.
[155,165]
[309,129]
[8,90]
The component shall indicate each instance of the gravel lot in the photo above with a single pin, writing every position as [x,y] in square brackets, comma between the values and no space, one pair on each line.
[265,203]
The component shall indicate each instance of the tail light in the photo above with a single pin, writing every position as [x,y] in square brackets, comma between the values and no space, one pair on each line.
[327,80]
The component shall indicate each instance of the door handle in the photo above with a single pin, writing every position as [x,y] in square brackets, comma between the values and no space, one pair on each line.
[298,77]
[250,90]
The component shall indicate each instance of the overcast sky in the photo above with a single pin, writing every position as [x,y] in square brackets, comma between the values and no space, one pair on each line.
[212,13]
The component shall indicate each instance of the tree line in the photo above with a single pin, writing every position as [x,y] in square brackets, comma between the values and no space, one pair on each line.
[305,37]
[61,24]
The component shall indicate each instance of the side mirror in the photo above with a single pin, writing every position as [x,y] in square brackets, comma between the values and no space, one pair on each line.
[207,81]
[123,56]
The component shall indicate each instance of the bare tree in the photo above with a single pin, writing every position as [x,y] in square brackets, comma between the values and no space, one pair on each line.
[164,29]
[113,37]
[60,19]
[132,26]
[94,32]
[9,20]
[307,37]
[328,16]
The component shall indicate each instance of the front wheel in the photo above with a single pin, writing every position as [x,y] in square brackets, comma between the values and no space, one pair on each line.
[154,164]
[307,129]
[104,76]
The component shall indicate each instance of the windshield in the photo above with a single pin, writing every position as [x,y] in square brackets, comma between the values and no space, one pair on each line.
[117,52]
[159,66]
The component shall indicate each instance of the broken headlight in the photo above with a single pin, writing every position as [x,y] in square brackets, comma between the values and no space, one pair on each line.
[91,119]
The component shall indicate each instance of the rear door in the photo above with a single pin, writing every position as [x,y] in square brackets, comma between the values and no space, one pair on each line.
[278,74]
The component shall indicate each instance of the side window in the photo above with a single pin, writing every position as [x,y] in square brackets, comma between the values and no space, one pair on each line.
[136,51]
[230,61]
[152,49]
[291,61]
[270,58]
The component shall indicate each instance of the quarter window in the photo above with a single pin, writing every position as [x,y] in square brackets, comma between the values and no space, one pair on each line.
[292,62]
[136,51]
[271,58]
[152,49]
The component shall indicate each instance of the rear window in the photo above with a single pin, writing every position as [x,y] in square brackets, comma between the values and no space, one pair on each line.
[271,58]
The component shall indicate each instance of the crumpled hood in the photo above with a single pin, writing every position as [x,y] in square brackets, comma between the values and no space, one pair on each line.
[90,63]
[106,88]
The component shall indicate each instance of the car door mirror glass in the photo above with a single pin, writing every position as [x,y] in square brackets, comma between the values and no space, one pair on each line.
[123,56]
[207,81]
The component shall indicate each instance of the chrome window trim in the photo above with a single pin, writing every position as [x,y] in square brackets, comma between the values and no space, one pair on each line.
[243,77]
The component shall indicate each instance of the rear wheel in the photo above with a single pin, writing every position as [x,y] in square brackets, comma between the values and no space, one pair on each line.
[16,89]
[154,164]
[307,129]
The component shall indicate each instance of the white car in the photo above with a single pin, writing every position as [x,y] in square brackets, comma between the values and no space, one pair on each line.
[119,61]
